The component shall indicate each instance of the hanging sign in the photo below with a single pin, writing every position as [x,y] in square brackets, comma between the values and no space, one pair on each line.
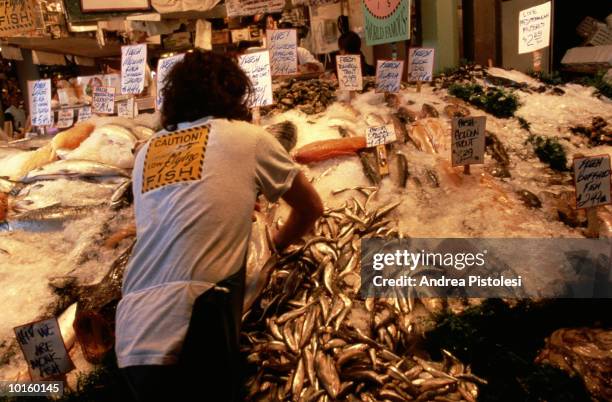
[16,17]
[126,108]
[65,118]
[386,21]
[468,140]
[257,67]
[349,72]
[103,100]
[39,93]
[592,181]
[133,67]
[420,64]
[163,68]
[380,135]
[43,348]
[84,114]
[534,28]
[389,75]
[282,44]
[237,8]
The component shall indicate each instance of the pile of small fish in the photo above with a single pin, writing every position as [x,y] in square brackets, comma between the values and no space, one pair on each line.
[309,337]
[583,351]
[310,96]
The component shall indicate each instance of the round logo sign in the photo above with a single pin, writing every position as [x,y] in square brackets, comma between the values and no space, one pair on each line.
[381,8]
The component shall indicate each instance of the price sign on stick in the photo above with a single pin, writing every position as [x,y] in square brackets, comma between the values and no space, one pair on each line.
[420,65]
[257,67]
[126,108]
[39,94]
[133,68]
[84,114]
[468,141]
[349,72]
[380,135]
[163,68]
[389,75]
[65,118]
[43,348]
[282,44]
[592,181]
[534,28]
[103,100]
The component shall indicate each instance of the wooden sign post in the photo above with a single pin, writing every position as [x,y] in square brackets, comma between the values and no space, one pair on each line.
[420,65]
[468,141]
[378,137]
[592,183]
[388,79]
[257,67]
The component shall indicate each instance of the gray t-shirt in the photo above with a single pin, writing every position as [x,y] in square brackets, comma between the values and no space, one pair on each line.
[194,193]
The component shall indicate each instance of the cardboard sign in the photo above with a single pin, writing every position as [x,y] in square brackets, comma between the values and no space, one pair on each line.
[468,140]
[65,118]
[39,93]
[349,72]
[380,135]
[386,21]
[389,75]
[103,100]
[126,108]
[237,8]
[133,67]
[43,348]
[534,28]
[282,44]
[592,181]
[420,64]
[16,17]
[257,67]
[163,68]
[176,157]
[84,114]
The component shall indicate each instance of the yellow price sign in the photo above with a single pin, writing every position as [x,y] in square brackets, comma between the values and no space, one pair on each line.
[174,158]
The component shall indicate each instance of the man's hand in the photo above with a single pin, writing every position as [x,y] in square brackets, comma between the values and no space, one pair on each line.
[306,208]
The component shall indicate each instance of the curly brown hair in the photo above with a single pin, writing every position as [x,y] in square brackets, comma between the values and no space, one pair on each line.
[205,84]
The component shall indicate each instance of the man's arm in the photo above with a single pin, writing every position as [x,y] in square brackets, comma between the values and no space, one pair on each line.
[306,208]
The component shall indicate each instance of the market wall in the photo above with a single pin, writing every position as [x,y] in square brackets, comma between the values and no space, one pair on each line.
[26,70]
[440,23]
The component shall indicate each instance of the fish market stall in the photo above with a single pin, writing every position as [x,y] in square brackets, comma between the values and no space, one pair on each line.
[67,230]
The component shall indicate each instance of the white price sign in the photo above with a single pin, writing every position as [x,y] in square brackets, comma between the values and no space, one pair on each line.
[104,100]
[39,93]
[163,68]
[282,44]
[65,118]
[592,181]
[420,64]
[534,28]
[133,68]
[257,67]
[380,135]
[389,75]
[468,140]
[349,72]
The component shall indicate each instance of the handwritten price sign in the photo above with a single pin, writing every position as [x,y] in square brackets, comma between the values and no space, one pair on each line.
[420,64]
[163,68]
[40,102]
[257,67]
[380,135]
[104,100]
[468,140]
[65,118]
[43,348]
[349,72]
[133,67]
[84,113]
[534,28]
[592,181]
[282,44]
[389,75]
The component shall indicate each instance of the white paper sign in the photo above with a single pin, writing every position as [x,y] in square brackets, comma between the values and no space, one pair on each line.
[39,93]
[43,348]
[534,28]
[389,75]
[65,118]
[380,135]
[236,8]
[282,44]
[133,68]
[163,68]
[103,100]
[62,96]
[349,72]
[257,67]
[420,63]
[84,114]
[468,140]
[126,108]
[592,181]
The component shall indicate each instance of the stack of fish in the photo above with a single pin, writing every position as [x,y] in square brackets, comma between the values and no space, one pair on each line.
[309,336]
